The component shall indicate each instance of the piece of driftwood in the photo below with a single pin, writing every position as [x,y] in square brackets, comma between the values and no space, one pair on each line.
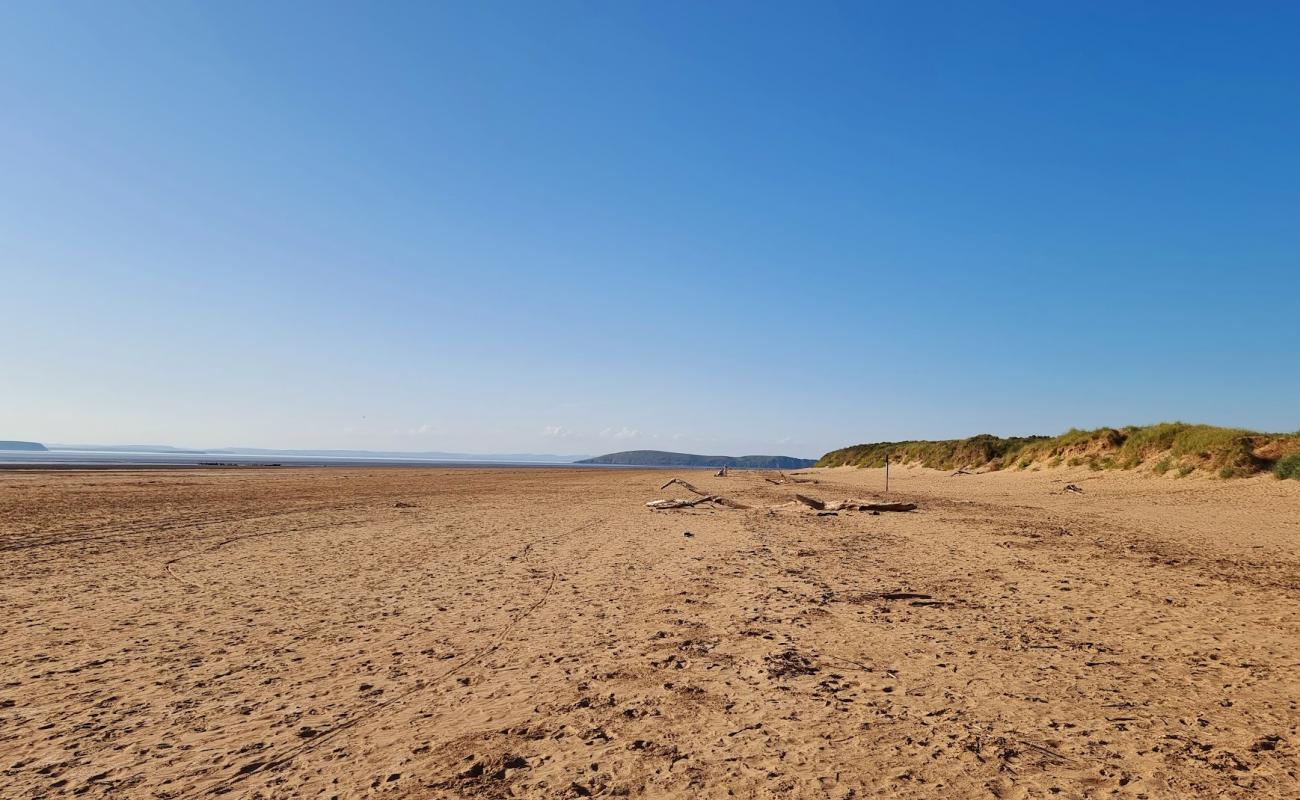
[688,487]
[664,505]
[723,501]
[1070,487]
[852,505]
[811,502]
[660,505]
[960,472]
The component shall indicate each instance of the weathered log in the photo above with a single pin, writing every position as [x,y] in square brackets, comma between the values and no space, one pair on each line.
[677,503]
[688,487]
[664,505]
[811,502]
[852,505]
[729,503]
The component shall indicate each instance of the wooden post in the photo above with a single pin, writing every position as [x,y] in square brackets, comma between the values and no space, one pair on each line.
[886,473]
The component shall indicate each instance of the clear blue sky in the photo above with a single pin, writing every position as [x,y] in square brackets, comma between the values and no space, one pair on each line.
[580,227]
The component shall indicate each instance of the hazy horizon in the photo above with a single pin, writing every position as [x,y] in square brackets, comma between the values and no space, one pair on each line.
[550,453]
[575,228]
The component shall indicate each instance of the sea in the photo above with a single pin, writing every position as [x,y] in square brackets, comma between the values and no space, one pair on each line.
[19,459]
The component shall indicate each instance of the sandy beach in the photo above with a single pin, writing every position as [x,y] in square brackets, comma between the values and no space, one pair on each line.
[429,633]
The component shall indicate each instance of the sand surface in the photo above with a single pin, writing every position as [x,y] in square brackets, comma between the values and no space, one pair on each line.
[540,633]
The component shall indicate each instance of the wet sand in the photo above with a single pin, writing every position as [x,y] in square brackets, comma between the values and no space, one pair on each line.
[539,633]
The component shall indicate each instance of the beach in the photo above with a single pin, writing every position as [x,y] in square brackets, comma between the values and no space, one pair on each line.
[461,632]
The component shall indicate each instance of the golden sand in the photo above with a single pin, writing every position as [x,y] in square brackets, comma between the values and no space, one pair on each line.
[540,633]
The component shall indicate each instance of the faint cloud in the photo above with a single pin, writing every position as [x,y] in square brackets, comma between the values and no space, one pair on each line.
[620,433]
[423,430]
[556,432]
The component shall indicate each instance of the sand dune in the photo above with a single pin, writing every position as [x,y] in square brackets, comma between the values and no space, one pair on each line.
[540,633]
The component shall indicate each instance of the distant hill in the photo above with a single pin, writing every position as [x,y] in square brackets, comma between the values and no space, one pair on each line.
[659,458]
[1166,447]
[37,446]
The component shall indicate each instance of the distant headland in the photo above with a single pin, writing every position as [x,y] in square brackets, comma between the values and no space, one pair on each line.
[660,458]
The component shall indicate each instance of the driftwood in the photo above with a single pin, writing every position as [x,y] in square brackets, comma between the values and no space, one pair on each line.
[722,501]
[1070,487]
[852,505]
[658,505]
[704,497]
[688,487]
[664,505]
[811,502]
[960,472]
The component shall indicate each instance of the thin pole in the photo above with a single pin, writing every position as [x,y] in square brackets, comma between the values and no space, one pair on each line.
[886,473]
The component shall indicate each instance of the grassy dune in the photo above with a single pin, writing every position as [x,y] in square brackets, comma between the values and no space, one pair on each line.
[1168,446]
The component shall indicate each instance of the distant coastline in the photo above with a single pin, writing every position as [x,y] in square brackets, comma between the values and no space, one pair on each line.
[661,458]
[107,459]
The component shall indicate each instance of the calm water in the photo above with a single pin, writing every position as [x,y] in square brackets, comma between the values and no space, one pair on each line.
[83,458]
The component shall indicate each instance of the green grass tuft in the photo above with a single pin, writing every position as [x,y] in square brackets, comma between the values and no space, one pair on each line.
[1288,467]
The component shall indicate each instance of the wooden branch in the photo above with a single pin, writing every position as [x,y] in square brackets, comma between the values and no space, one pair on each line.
[852,505]
[664,505]
[811,502]
[660,505]
[688,487]
[729,503]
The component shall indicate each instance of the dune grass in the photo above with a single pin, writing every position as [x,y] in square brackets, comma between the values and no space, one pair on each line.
[1288,467]
[946,454]
[1226,452]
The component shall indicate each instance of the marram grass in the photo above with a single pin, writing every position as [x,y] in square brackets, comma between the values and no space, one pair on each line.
[1186,448]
